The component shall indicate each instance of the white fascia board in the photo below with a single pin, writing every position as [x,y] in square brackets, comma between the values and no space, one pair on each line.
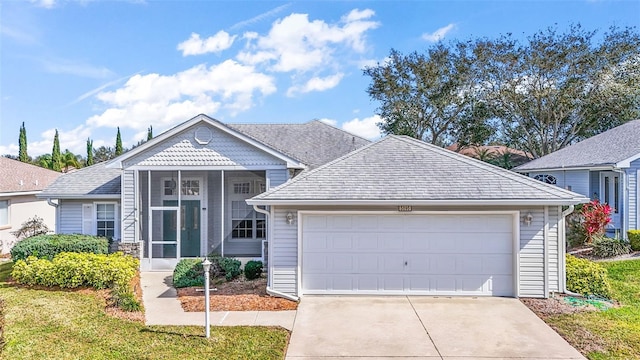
[205,167]
[20,193]
[627,162]
[592,168]
[573,201]
[80,197]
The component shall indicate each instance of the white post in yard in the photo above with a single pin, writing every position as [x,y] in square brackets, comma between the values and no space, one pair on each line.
[206,264]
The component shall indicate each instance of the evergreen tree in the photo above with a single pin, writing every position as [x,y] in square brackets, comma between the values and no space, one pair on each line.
[89,152]
[56,158]
[22,155]
[150,133]
[118,143]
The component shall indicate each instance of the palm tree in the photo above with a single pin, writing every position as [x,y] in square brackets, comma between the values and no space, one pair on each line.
[68,160]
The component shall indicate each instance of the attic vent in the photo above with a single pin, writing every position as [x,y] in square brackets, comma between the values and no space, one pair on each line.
[203,135]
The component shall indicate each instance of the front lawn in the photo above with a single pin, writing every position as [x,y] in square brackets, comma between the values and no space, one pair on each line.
[610,334]
[47,324]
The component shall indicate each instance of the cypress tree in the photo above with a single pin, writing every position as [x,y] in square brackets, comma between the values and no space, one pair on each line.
[118,143]
[89,152]
[150,133]
[22,143]
[56,158]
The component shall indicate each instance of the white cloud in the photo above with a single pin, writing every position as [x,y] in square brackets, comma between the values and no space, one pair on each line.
[366,128]
[438,34]
[295,43]
[331,122]
[213,44]
[316,84]
[47,4]
[165,100]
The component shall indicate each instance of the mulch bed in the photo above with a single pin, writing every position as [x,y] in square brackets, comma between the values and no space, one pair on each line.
[554,306]
[235,295]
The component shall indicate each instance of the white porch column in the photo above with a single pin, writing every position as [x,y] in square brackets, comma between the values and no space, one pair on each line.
[222,212]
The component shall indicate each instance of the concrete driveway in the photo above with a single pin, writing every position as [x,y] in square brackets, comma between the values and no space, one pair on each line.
[422,328]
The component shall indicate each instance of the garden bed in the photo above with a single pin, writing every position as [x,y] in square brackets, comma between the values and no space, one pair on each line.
[236,295]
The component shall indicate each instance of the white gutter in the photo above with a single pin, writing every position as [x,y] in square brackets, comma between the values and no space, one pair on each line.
[271,291]
[20,193]
[394,202]
[563,246]
[51,203]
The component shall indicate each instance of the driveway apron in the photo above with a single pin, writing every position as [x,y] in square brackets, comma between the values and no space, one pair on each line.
[422,328]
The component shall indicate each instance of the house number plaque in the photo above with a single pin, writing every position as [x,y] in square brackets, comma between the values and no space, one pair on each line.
[404,208]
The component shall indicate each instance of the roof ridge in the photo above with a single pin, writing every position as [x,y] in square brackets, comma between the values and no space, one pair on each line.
[339,129]
[489,167]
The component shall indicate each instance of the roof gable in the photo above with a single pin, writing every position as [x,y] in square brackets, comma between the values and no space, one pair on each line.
[203,141]
[399,168]
[16,176]
[613,148]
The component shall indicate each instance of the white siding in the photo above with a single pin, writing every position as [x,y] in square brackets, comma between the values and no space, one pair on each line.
[129,194]
[553,249]
[70,217]
[633,190]
[577,180]
[283,262]
[532,254]
[277,177]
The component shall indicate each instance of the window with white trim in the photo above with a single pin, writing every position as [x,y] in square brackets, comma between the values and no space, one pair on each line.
[4,212]
[545,178]
[246,223]
[106,220]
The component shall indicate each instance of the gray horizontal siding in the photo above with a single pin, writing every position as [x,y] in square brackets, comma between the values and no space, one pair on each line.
[284,254]
[70,221]
[277,177]
[553,248]
[129,216]
[531,254]
[576,180]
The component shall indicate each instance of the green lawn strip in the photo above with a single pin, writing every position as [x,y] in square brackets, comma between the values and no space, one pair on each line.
[614,333]
[42,324]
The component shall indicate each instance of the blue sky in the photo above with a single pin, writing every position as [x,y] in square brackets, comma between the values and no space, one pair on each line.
[86,67]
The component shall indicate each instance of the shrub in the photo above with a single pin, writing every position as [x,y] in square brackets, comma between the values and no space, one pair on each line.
[32,227]
[596,217]
[188,272]
[576,233]
[586,277]
[48,246]
[229,266]
[604,247]
[72,270]
[253,269]
[634,239]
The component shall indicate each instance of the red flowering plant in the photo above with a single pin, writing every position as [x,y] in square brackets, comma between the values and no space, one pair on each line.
[596,217]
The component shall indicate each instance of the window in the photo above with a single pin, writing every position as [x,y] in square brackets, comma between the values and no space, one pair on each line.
[4,212]
[190,187]
[169,186]
[242,188]
[549,179]
[246,223]
[106,220]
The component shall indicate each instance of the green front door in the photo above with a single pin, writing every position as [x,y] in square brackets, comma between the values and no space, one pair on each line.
[189,227]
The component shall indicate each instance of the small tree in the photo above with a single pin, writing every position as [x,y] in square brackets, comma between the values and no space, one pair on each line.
[150,133]
[22,143]
[596,217]
[56,157]
[89,152]
[32,227]
[118,143]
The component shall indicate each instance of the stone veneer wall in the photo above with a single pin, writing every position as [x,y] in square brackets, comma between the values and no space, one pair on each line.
[133,249]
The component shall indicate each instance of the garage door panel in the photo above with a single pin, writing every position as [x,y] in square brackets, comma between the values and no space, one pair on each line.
[417,254]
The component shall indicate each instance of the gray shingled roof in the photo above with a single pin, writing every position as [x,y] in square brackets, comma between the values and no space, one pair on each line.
[16,176]
[94,181]
[605,149]
[399,168]
[313,143]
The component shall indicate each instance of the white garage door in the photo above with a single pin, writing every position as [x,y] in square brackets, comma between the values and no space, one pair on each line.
[448,254]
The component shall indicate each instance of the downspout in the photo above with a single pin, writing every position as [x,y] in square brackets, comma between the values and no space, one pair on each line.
[271,291]
[563,244]
[51,203]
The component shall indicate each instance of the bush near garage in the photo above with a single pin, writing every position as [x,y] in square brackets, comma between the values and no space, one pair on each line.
[253,269]
[606,247]
[72,270]
[48,246]
[634,239]
[587,277]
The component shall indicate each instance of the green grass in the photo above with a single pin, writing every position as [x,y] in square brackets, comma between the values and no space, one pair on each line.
[43,324]
[614,333]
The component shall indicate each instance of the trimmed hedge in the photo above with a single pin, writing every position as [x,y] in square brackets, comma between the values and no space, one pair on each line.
[188,272]
[587,278]
[605,247]
[48,246]
[634,239]
[72,270]
[253,269]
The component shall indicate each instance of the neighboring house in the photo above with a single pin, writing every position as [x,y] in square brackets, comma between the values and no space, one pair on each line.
[496,153]
[182,194]
[341,215]
[19,184]
[604,167]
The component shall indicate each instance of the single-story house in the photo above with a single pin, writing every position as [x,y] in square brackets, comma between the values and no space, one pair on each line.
[604,167]
[19,184]
[330,212]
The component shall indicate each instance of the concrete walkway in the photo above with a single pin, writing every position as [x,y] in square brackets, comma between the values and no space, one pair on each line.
[162,307]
